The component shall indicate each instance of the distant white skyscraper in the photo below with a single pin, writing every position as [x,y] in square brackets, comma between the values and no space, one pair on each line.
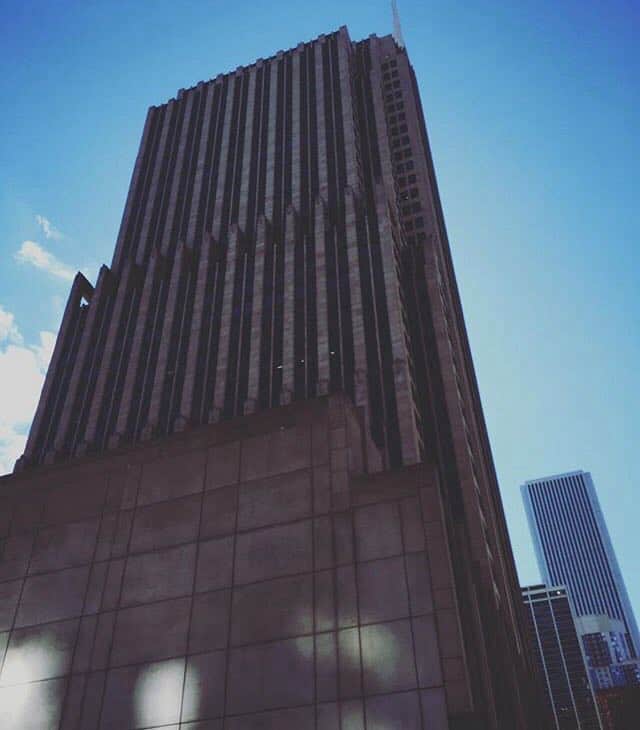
[573,548]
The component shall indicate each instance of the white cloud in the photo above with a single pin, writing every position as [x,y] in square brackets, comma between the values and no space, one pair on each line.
[49,230]
[34,254]
[8,328]
[22,371]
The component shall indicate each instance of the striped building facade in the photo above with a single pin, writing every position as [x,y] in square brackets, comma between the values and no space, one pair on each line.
[283,240]
[573,548]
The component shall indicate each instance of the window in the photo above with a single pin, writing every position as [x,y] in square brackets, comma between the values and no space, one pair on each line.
[411,178]
[416,207]
[414,192]
[396,84]
[401,182]
[399,168]
[408,225]
[405,139]
[409,165]
[386,77]
[398,95]
[422,236]
[392,119]
[402,128]
[401,116]
[394,72]
[419,222]
[394,130]
[397,155]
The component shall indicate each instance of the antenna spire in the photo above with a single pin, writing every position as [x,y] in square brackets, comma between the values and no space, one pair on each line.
[397,29]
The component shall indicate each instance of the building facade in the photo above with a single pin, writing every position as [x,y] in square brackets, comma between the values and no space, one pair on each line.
[573,548]
[560,659]
[283,245]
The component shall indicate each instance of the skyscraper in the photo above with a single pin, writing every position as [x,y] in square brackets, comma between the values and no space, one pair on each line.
[560,659]
[267,411]
[573,548]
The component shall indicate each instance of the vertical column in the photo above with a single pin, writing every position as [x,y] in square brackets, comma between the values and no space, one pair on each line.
[348,115]
[246,158]
[288,318]
[200,165]
[401,375]
[84,354]
[191,370]
[222,167]
[256,317]
[133,186]
[122,293]
[129,383]
[140,244]
[357,320]
[225,322]
[323,177]
[160,376]
[80,288]
[175,185]
[321,297]
[296,60]
[271,139]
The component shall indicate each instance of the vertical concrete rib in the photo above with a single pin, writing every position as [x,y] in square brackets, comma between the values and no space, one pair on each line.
[296,172]
[291,234]
[256,316]
[321,296]
[141,244]
[200,163]
[113,339]
[179,171]
[401,375]
[132,370]
[357,320]
[84,353]
[222,168]
[271,142]
[80,288]
[160,375]
[321,140]
[191,370]
[119,252]
[348,113]
[225,322]
[246,158]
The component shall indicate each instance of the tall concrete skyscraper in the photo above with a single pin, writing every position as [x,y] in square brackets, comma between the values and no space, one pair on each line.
[573,548]
[560,658]
[258,488]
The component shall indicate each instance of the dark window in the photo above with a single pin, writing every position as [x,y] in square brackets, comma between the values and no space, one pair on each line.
[416,207]
[414,192]
[396,84]
[411,178]
[408,165]
[419,222]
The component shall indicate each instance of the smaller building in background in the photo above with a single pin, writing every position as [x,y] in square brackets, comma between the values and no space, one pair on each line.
[574,549]
[560,658]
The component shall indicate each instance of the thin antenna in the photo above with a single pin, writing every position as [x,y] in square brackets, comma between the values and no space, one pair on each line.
[397,30]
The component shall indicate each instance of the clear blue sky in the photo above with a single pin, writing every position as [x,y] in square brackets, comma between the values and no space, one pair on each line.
[534,116]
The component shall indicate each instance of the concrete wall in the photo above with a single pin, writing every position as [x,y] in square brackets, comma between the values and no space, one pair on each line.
[245,575]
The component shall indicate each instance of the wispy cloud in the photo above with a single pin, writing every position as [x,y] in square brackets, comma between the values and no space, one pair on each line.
[34,254]
[8,327]
[22,370]
[49,230]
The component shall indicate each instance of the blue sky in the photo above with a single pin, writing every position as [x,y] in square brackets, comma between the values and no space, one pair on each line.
[533,112]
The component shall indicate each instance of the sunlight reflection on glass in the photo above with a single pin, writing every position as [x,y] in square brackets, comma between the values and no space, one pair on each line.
[158,692]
